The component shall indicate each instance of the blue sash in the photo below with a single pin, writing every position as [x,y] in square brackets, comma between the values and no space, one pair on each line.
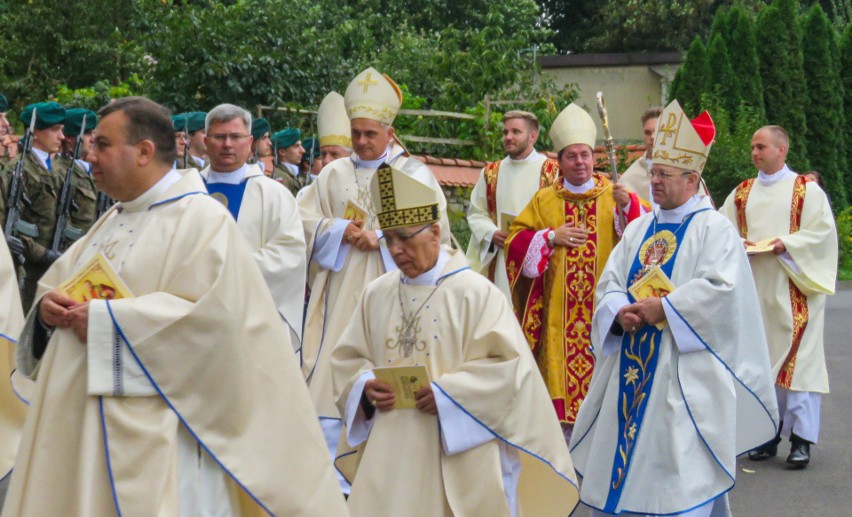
[229,195]
[639,353]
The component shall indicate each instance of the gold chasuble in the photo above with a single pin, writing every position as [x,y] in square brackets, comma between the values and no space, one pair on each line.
[209,356]
[555,309]
[12,408]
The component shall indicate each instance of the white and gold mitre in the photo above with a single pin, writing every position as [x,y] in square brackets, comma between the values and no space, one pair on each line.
[374,96]
[680,142]
[332,122]
[400,200]
[573,126]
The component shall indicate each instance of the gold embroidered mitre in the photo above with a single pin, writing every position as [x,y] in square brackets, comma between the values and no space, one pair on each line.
[332,122]
[683,143]
[374,96]
[573,126]
[401,200]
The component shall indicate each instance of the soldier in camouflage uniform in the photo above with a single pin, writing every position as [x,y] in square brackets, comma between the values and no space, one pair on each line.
[84,194]
[261,147]
[288,150]
[195,125]
[179,123]
[41,186]
[7,150]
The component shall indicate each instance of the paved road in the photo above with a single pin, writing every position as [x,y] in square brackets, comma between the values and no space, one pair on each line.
[824,488]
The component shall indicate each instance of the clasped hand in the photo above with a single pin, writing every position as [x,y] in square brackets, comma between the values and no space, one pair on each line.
[380,395]
[58,310]
[364,240]
[648,311]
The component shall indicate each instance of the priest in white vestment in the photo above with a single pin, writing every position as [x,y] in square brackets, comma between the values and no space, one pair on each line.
[265,211]
[12,406]
[482,438]
[788,229]
[635,178]
[183,398]
[682,380]
[345,246]
[335,139]
[503,190]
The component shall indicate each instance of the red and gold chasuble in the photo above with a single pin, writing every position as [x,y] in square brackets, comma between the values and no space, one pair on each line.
[555,310]
[549,173]
[798,300]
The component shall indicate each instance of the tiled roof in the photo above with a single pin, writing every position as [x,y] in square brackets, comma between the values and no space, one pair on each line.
[454,172]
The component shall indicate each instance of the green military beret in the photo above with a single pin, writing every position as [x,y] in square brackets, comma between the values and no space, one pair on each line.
[4,103]
[259,127]
[47,114]
[307,145]
[179,121]
[286,137]
[195,120]
[74,119]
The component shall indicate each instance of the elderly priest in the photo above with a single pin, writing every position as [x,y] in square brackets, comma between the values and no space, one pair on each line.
[681,383]
[465,444]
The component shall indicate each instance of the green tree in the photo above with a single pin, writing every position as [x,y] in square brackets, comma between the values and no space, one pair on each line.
[742,48]
[824,106]
[780,52]
[694,78]
[724,82]
[845,57]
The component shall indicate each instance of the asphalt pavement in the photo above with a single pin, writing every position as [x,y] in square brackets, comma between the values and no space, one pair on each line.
[824,488]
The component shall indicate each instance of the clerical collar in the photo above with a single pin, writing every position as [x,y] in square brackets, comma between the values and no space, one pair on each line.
[581,189]
[532,156]
[42,156]
[152,195]
[771,179]
[430,277]
[677,215]
[229,178]
[370,164]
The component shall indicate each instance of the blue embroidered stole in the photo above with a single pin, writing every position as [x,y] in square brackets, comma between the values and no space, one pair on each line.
[639,353]
[229,195]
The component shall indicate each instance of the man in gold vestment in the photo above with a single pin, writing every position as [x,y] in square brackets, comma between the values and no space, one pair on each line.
[557,248]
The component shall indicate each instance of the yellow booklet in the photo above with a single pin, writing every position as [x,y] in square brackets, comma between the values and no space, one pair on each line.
[654,283]
[353,212]
[406,381]
[760,247]
[97,280]
[506,220]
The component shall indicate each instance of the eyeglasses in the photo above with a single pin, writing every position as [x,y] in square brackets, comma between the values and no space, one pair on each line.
[666,175]
[401,238]
[221,138]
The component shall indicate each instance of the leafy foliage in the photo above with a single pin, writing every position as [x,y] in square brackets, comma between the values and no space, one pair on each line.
[693,78]
[824,106]
[742,47]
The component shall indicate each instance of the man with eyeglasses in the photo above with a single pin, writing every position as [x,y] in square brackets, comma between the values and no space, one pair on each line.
[787,226]
[266,213]
[344,241]
[183,398]
[481,438]
[555,252]
[682,378]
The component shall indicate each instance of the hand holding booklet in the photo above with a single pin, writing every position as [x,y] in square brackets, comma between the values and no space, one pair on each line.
[405,381]
[97,280]
[655,283]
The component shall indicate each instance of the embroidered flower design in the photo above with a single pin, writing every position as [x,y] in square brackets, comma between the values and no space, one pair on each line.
[632,375]
[631,433]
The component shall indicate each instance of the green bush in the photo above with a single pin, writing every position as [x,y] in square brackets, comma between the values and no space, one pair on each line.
[844,235]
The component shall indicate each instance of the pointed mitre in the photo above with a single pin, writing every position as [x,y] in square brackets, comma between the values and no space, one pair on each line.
[374,96]
[681,142]
[573,126]
[400,200]
[332,122]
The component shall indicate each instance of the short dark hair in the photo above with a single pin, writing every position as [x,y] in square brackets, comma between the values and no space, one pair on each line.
[147,120]
[651,113]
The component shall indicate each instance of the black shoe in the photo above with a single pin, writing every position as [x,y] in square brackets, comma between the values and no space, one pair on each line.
[770,450]
[800,453]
